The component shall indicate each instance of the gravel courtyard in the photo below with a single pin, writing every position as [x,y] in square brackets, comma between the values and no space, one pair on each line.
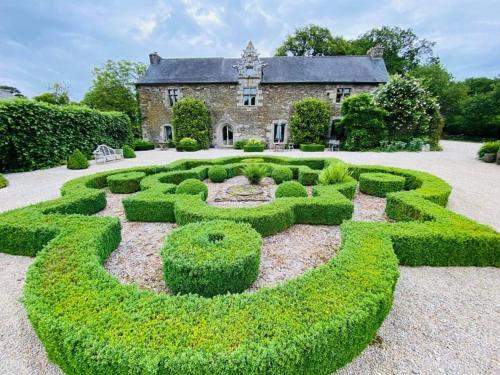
[443,321]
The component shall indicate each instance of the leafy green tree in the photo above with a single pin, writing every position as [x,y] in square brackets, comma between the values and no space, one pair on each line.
[191,119]
[362,123]
[58,94]
[309,121]
[411,110]
[113,89]
[313,40]
[403,49]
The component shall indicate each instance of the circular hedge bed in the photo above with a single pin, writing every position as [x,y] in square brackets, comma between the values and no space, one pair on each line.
[379,184]
[89,323]
[125,183]
[210,258]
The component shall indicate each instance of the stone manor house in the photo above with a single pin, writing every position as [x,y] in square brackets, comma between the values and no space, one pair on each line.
[252,97]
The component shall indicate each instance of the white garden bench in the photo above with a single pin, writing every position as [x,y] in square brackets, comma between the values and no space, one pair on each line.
[105,153]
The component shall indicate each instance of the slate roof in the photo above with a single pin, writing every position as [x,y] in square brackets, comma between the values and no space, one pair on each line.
[288,69]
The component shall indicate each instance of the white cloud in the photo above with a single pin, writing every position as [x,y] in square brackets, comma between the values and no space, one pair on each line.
[203,16]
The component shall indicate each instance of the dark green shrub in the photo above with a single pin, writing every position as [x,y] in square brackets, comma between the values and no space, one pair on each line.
[192,186]
[37,135]
[334,173]
[3,181]
[281,174]
[311,147]
[379,184]
[252,160]
[309,121]
[362,126]
[307,177]
[187,144]
[240,144]
[128,152]
[211,257]
[125,183]
[143,145]
[217,173]
[254,172]
[290,189]
[77,161]
[489,148]
[191,119]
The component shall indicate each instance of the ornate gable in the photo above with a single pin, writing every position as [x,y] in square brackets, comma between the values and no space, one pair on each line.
[249,65]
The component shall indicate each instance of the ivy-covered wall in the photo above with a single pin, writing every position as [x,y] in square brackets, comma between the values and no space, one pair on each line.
[37,135]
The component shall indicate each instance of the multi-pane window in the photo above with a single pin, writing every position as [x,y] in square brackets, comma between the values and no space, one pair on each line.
[249,95]
[173,96]
[279,132]
[342,92]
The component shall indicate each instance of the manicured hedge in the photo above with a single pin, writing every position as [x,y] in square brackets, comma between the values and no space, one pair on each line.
[192,186]
[217,173]
[281,174]
[210,258]
[379,184]
[37,135]
[125,183]
[3,182]
[311,147]
[290,189]
[143,145]
[253,148]
[89,323]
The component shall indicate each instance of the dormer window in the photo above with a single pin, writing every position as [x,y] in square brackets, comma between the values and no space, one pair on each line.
[173,96]
[342,92]
[250,71]
[249,95]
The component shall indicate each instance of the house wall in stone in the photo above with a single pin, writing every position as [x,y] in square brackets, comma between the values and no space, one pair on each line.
[274,102]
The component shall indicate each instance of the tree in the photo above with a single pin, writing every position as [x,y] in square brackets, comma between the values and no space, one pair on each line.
[58,94]
[191,119]
[362,123]
[313,40]
[411,110]
[403,50]
[309,121]
[113,89]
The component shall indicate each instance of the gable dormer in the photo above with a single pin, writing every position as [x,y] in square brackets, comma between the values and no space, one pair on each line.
[249,66]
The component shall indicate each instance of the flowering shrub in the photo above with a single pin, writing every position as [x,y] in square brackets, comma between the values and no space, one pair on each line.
[411,110]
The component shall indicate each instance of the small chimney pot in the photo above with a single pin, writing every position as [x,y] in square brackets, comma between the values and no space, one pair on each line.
[154,58]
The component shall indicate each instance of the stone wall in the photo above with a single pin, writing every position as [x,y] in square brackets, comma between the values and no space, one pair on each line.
[274,102]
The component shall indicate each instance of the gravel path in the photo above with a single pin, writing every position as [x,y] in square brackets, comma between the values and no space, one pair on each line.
[444,320]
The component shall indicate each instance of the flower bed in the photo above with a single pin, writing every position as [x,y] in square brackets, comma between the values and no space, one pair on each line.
[315,323]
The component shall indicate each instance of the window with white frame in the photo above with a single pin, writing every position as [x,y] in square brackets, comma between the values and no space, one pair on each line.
[342,92]
[249,96]
[279,132]
[173,96]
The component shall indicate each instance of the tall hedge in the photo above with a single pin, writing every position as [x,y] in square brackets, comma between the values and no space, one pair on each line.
[309,121]
[191,119]
[37,135]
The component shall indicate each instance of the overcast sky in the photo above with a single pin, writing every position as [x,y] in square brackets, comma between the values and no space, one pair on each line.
[54,40]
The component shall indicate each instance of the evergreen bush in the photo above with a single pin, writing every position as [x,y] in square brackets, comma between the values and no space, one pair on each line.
[309,121]
[192,186]
[217,173]
[191,119]
[77,160]
[187,144]
[312,147]
[125,183]
[281,174]
[379,184]
[143,145]
[3,181]
[489,148]
[290,189]
[128,152]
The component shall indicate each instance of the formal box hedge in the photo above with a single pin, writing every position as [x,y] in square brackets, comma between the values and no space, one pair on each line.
[210,258]
[253,148]
[379,184]
[311,147]
[88,322]
[125,183]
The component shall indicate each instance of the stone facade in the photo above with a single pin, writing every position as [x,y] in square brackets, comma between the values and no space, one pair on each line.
[274,105]
[243,109]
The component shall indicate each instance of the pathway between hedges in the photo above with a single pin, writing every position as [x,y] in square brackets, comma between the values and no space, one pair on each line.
[444,320]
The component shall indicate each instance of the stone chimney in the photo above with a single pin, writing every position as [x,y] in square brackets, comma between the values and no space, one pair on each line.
[376,52]
[154,58]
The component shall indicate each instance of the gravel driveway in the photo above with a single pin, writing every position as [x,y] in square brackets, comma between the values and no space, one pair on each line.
[444,320]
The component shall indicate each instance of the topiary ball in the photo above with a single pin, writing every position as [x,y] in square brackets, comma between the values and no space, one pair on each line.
[379,184]
[290,189]
[125,183]
[77,160]
[128,152]
[192,186]
[211,257]
[281,174]
[217,173]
